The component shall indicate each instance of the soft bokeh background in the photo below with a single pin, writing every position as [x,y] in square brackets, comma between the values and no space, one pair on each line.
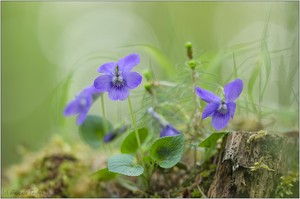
[51,50]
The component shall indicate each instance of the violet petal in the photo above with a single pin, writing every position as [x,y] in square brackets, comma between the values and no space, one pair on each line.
[233,90]
[207,96]
[133,79]
[81,118]
[231,108]
[108,68]
[109,137]
[72,108]
[103,83]
[169,130]
[209,110]
[219,120]
[118,93]
[128,62]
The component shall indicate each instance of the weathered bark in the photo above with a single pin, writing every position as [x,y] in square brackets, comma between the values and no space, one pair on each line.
[251,164]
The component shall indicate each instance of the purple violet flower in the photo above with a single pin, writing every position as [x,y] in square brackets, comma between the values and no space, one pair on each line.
[118,79]
[221,109]
[109,137]
[82,104]
[114,133]
[166,128]
[169,130]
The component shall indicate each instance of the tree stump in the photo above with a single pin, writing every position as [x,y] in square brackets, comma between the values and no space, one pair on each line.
[252,164]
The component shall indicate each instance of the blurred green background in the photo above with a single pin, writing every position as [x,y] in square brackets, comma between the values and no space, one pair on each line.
[51,51]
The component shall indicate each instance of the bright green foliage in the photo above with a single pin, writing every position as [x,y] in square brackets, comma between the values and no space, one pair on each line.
[123,164]
[196,194]
[130,144]
[167,151]
[212,139]
[92,130]
[103,175]
[288,185]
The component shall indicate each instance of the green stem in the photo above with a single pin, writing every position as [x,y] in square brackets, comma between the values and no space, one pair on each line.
[134,123]
[103,114]
[195,113]
[104,120]
[194,92]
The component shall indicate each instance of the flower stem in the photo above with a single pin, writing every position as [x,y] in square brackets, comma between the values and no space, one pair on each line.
[104,120]
[134,123]
[194,85]
[195,113]
[103,114]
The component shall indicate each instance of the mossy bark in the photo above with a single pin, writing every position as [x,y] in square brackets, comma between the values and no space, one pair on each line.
[252,165]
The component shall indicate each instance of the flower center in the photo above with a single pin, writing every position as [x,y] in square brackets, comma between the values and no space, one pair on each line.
[118,81]
[223,108]
[83,102]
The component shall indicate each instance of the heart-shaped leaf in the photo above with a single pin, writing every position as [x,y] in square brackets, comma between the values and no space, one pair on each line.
[93,130]
[168,151]
[130,144]
[123,164]
[212,139]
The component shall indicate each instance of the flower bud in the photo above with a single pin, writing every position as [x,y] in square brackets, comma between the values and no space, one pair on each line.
[189,49]
[148,86]
[192,64]
[148,75]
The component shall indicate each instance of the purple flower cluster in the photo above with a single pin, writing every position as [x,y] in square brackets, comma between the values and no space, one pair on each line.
[117,80]
[221,110]
[82,104]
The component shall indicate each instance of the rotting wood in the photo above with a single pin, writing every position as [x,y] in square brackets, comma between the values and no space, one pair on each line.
[252,164]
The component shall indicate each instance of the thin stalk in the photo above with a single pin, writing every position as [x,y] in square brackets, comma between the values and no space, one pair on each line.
[194,85]
[194,114]
[154,99]
[103,114]
[134,123]
[104,120]
[202,193]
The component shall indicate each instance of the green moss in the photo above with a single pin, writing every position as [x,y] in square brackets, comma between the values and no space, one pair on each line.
[54,172]
[211,169]
[196,194]
[257,136]
[288,186]
[260,165]
[155,195]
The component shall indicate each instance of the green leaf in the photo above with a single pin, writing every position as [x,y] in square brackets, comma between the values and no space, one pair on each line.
[168,151]
[130,144]
[212,139]
[123,164]
[92,130]
[182,166]
[103,175]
